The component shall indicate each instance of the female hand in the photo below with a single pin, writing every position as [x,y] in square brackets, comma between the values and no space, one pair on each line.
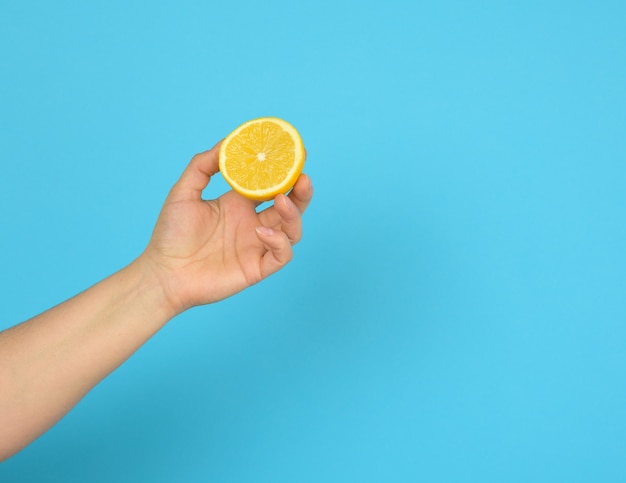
[203,251]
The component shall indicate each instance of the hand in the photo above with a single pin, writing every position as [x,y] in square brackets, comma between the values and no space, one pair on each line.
[204,251]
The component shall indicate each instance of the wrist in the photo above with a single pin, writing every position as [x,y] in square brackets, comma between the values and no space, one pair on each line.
[155,284]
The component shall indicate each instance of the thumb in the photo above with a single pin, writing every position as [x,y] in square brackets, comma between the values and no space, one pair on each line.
[196,175]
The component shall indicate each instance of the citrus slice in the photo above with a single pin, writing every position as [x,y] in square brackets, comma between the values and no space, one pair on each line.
[262,158]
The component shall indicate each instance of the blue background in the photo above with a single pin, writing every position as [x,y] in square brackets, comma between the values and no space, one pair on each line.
[457,308]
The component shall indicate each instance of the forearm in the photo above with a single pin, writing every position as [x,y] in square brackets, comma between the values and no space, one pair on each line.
[200,252]
[48,363]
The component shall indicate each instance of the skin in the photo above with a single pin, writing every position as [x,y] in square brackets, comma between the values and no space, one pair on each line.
[200,252]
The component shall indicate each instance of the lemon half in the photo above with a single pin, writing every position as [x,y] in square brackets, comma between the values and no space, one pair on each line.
[262,158]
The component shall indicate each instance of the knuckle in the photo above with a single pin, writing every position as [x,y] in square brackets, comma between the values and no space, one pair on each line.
[295,238]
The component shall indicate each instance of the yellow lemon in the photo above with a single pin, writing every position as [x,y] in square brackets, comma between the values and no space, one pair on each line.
[262,158]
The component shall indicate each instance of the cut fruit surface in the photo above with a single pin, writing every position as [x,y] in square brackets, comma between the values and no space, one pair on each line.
[262,158]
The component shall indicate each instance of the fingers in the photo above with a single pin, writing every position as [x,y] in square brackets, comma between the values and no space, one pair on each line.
[279,251]
[300,196]
[197,175]
[287,231]
[291,220]
[302,193]
[286,219]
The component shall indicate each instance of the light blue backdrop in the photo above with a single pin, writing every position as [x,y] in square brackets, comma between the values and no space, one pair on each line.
[457,308]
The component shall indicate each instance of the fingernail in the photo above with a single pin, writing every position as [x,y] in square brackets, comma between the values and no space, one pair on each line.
[264,230]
